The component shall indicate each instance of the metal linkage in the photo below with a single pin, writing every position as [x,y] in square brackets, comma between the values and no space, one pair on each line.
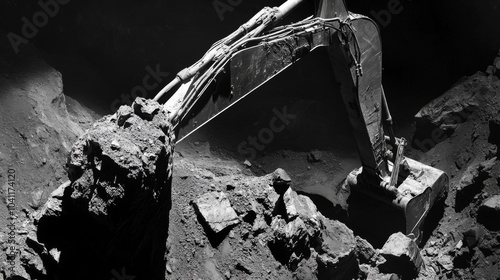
[390,183]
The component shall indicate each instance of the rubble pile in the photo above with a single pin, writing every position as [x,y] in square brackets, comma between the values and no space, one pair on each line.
[308,244]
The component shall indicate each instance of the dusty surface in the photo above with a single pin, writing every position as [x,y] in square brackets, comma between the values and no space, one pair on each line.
[39,125]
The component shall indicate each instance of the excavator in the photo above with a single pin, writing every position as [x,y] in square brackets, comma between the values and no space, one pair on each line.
[260,49]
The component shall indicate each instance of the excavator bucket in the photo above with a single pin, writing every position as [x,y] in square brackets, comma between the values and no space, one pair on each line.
[417,191]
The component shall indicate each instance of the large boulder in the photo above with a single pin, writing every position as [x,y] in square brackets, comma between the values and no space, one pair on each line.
[297,205]
[216,211]
[117,203]
[292,240]
[336,249]
[304,234]
[402,255]
[280,179]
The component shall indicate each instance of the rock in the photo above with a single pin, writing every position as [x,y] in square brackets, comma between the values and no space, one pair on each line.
[59,192]
[496,63]
[32,262]
[115,145]
[471,182]
[489,213]
[469,177]
[336,239]
[247,163]
[490,244]
[374,274]
[55,254]
[304,228]
[293,238]
[446,262]
[307,269]
[36,199]
[280,179]
[123,113]
[250,196]
[487,165]
[259,225]
[451,108]
[244,205]
[270,198]
[145,108]
[491,151]
[490,70]
[53,207]
[119,194]
[215,210]
[336,251]
[169,269]
[298,205]
[365,252]
[431,251]
[402,255]
[427,272]
[314,156]
[476,173]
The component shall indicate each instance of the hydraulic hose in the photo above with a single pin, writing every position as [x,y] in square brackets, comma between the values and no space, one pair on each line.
[253,27]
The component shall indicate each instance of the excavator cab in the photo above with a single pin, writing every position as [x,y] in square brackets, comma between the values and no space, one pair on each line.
[260,50]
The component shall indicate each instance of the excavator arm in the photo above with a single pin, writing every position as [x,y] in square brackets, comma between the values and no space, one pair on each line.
[258,51]
[354,45]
